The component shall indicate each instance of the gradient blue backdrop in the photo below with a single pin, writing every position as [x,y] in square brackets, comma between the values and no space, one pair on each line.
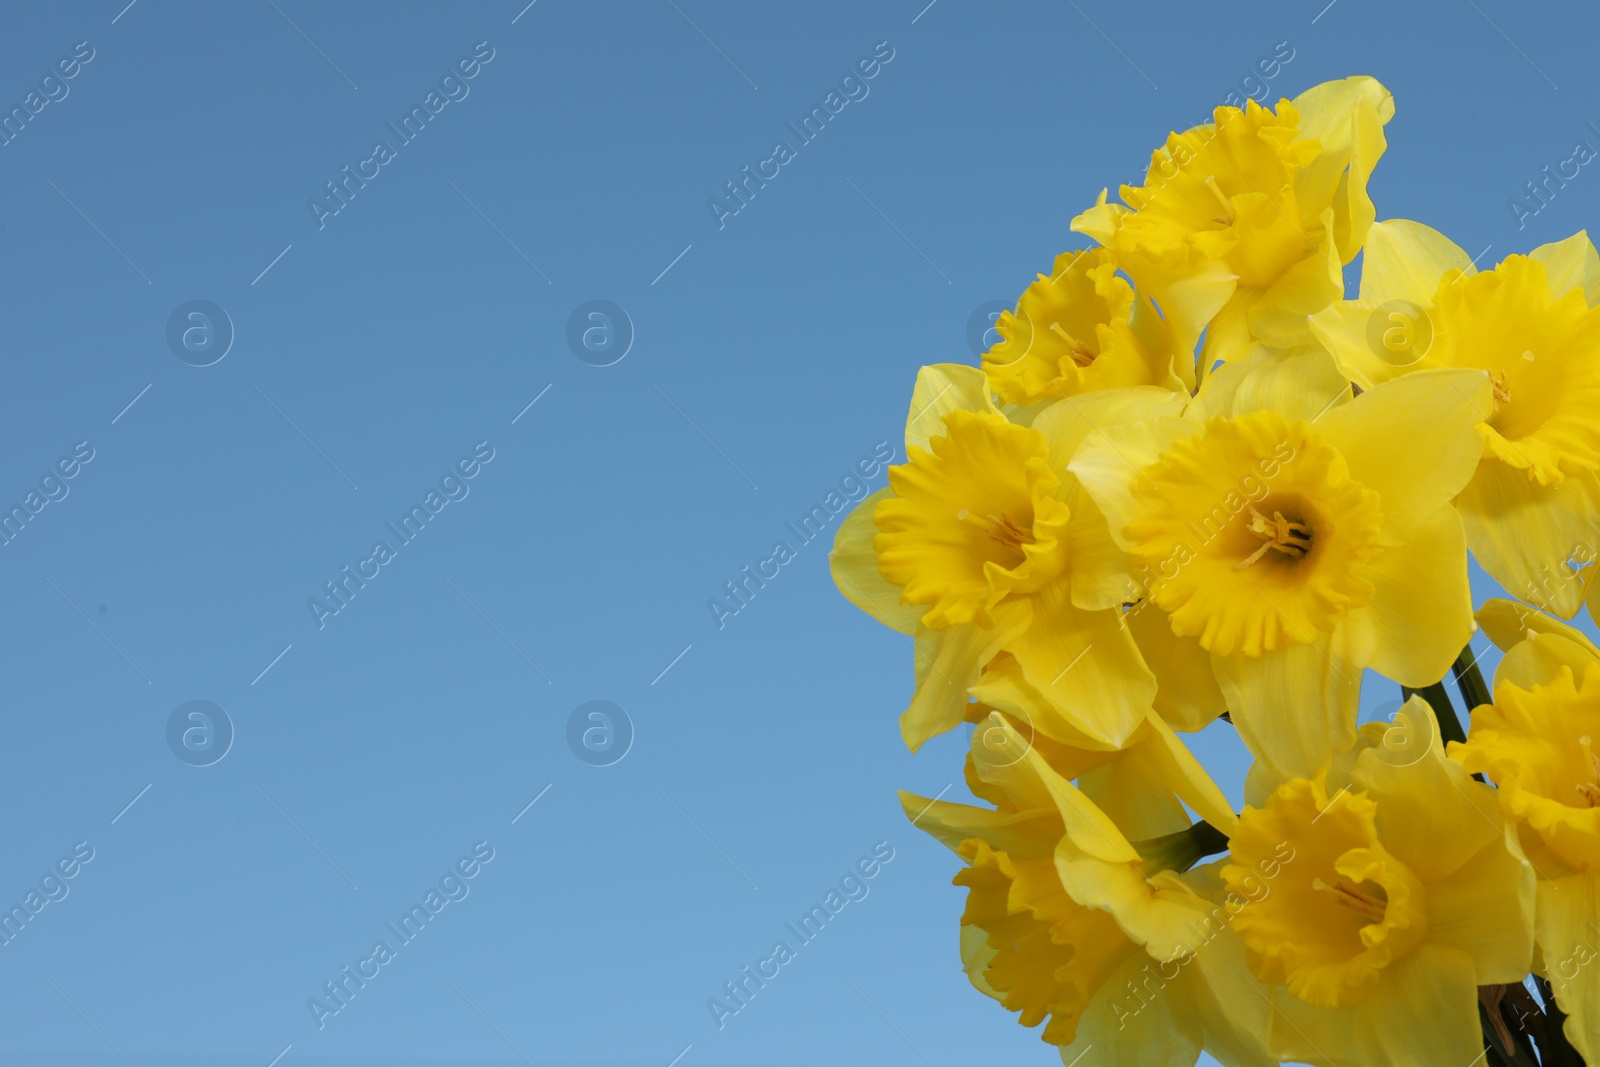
[421,319]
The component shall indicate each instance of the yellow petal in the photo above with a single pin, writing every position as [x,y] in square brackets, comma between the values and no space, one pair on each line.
[1069,422]
[1123,1028]
[1295,705]
[1413,440]
[1127,791]
[1218,988]
[1144,788]
[1190,302]
[854,563]
[948,663]
[1507,623]
[1302,383]
[1433,817]
[942,388]
[1280,315]
[1085,665]
[1110,462]
[1425,1011]
[1100,870]
[1524,534]
[1102,575]
[1486,909]
[1541,658]
[1374,341]
[1003,769]
[977,955]
[1187,695]
[1405,260]
[1347,117]
[1025,834]
[1164,758]
[1566,917]
[1422,609]
[1572,264]
[1101,221]
[1303,1034]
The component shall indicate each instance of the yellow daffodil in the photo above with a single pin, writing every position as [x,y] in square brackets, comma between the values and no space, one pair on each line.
[1537,743]
[980,545]
[1243,223]
[1532,324]
[1080,328]
[1103,537]
[1303,542]
[1067,923]
[1407,892]
[1147,785]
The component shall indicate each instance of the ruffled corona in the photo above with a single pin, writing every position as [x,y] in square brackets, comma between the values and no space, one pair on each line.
[1532,325]
[1046,955]
[1406,893]
[1242,224]
[1536,742]
[1262,531]
[1067,924]
[1082,327]
[1303,541]
[972,519]
[1541,746]
[1543,354]
[1346,911]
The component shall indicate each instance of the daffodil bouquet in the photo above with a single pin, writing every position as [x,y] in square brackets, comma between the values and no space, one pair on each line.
[1193,481]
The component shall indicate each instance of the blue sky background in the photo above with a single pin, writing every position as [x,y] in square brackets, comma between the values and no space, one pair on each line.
[422,319]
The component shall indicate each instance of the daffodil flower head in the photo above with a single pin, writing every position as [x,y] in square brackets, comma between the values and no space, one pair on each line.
[1346,909]
[1536,743]
[1061,923]
[1532,324]
[1045,959]
[1541,746]
[1542,353]
[1243,223]
[1256,562]
[1404,892]
[1082,327]
[1227,191]
[972,519]
[1300,537]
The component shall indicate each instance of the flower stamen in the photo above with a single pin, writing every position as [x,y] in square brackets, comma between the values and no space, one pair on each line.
[1502,391]
[1279,534]
[1369,907]
[1226,218]
[1590,790]
[1082,354]
[1001,529]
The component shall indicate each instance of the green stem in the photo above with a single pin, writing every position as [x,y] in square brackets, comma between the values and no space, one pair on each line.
[1470,680]
[1182,850]
[1208,838]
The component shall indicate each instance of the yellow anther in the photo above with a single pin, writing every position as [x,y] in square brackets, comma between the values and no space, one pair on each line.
[1226,218]
[999,528]
[1082,354]
[1349,896]
[1502,390]
[1278,534]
